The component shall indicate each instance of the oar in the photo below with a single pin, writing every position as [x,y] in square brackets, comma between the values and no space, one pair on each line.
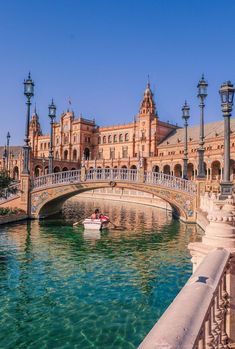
[117,227]
[76,223]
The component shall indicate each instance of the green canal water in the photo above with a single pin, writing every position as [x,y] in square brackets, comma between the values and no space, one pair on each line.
[61,287]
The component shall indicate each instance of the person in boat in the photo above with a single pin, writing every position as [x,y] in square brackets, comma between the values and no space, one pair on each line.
[95,214]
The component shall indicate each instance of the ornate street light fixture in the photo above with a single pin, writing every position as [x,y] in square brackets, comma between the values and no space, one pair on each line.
[185,116]
[28,92]
[52,115]
[226,94]
[8,149]
[202,93]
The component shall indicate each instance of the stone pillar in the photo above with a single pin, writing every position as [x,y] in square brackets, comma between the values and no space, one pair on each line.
[141,175]
[25,193]
[83,174]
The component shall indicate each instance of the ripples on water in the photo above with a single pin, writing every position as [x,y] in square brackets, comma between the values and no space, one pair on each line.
[63,288]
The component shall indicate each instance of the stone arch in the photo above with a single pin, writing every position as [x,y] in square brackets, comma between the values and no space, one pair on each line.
[56,169]
[156,168]
[16,172]
[73,169]
[178,170]
[133,167]
[37,171]
[216,170]
[64,169]
[167,169]
[46,170]
[48,201]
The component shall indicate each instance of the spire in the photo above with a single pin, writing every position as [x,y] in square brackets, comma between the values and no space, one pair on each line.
[148,105]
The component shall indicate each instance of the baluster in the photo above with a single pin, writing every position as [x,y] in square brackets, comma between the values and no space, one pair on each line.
[209,338]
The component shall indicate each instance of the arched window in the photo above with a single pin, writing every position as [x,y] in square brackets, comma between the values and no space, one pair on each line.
[104,139]
[120,138]
[109,139]
[115,138]
[66,155]
[87,153]
[126,137]
[74,155]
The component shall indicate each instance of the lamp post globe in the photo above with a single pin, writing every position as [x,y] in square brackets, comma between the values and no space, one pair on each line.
[52,115]
[226,94]
[202,93]
[185,117]
[28,92]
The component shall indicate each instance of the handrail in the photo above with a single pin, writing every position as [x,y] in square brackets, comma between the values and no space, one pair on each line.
[198,314]
[116,174]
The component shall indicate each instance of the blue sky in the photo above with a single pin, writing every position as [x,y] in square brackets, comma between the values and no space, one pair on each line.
[99,53]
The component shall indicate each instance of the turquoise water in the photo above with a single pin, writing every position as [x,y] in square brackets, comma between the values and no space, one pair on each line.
[63,288]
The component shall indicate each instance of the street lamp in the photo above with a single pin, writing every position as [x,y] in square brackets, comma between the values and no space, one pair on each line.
[52,115]
[4,158]
[28,92]
[226,94]
[202,93]
[185,116]
[8,149]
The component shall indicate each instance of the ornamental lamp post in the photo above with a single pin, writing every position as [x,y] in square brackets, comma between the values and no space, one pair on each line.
[4,158]
[202,93]
[8,149]
[52,115]
[185,116]
[28,92]
[226,94]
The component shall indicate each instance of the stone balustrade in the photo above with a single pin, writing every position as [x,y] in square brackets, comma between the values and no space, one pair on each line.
[10,192]
[197,318]
[115,174]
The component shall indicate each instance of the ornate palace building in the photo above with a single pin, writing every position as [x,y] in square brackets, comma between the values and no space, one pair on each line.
[157,144]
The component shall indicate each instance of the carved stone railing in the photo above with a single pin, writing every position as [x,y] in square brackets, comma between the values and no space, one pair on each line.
[197,318]
[115,174]
[10,192]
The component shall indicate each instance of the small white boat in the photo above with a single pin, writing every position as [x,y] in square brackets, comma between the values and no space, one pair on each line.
[95,224]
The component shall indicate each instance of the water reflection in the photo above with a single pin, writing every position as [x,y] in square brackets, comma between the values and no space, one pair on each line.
[61,287]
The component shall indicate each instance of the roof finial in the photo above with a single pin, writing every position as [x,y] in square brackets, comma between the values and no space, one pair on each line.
[148,81]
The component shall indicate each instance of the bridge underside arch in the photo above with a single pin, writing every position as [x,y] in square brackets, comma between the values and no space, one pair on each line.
[48,201]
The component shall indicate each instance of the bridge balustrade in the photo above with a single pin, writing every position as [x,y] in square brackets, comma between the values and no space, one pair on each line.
[197,318]
[9,192]
[115,174]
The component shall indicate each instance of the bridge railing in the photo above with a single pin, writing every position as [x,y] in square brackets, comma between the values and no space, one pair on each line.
[197,318]
[9,192]
[169,181]
[112,174]
[73,176]
[115,174]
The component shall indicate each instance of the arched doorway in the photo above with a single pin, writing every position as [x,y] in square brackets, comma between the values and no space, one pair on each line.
[16,173]
[155,168]
[178,170]
[133,167]
[167,169]
[65,169]
[87,153]
[190,171]
[216,170]
[46,170]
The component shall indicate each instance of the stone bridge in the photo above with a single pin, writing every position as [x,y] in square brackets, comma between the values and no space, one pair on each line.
[48,193]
